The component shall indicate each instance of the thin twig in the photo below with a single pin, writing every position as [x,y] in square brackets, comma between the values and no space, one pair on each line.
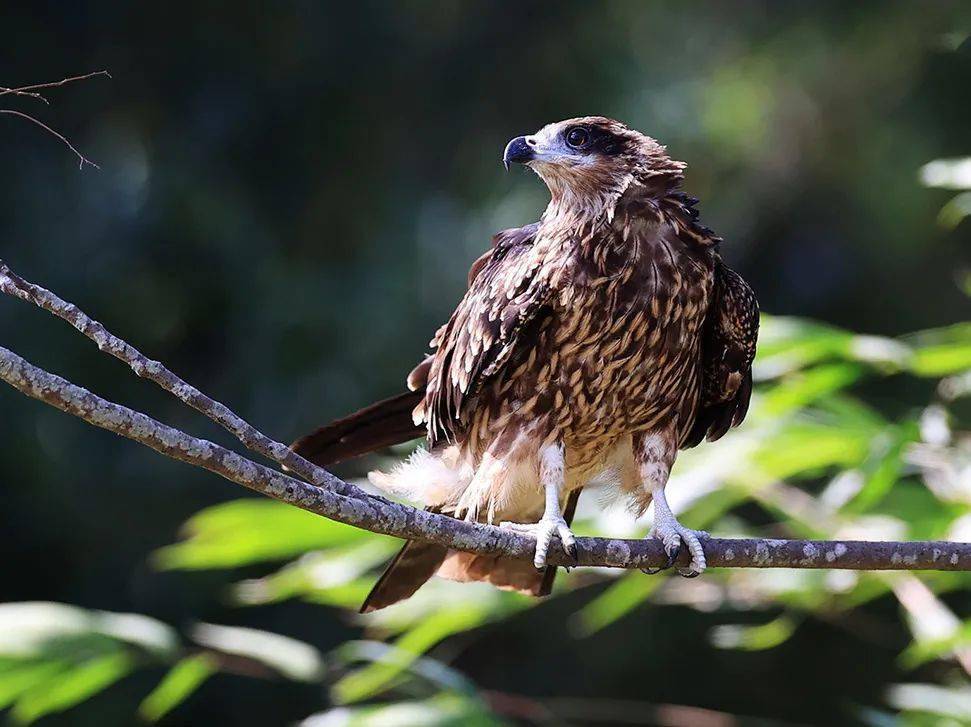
[82,159]
[381,516]
[33,88]
[21,92]
[250,436]
[32,92]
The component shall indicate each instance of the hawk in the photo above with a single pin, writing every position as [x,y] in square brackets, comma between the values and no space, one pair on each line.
[590,345]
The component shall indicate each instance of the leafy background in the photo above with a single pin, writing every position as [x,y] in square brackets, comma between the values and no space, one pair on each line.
[289,198]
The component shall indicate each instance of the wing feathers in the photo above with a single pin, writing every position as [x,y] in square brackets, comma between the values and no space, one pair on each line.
[380,425]
[504,297]
[728,348]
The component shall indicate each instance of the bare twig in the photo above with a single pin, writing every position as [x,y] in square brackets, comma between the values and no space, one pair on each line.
[381,516]
[33,88]
[82,160]
[252,438]
[32,92]
[21,92]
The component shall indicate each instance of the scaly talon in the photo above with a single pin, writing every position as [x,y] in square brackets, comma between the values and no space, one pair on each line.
[672,548]
[673,535]
[544,531]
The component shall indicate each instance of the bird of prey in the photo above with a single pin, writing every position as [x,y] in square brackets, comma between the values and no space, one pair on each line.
[590,345]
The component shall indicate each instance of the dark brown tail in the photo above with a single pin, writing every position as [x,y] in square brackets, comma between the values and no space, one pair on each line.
[417,562]
[379,425]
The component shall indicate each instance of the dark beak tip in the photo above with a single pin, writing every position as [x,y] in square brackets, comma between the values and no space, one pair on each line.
[517,151]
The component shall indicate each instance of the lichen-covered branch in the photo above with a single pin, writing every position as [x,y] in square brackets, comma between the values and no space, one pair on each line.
[382,516]
[252,438]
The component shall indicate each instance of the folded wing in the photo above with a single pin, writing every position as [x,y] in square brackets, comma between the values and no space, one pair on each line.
[728,348]
[391,421]
[506,300]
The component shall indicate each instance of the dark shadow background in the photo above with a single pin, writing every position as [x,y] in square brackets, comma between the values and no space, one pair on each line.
[290,195]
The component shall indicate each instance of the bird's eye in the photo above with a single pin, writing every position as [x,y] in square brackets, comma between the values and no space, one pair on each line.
[577,137]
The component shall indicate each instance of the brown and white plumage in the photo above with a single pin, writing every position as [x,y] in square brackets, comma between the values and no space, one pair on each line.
[599,340]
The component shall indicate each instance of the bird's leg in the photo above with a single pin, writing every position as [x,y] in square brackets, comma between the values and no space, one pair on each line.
[551,465]
[655,457]
[672,534]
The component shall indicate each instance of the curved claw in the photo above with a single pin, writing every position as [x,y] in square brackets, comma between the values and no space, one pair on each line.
[572,551]
[673,555]
[673,537]
[544,531]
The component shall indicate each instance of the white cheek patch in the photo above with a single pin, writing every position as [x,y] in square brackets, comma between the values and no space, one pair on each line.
[549,141]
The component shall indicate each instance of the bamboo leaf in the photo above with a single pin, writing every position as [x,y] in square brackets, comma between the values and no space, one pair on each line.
[66,689]
[178,685]
[291,658]
[18,678]
[754,638]
[252,531]
[620,598]
[371,679]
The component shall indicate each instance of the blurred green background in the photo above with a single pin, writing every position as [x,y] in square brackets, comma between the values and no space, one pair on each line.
[290,195]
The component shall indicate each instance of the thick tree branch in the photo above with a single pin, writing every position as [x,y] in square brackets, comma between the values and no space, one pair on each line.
[331,497]
[381,516]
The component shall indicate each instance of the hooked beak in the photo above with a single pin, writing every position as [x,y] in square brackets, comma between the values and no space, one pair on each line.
[518,150]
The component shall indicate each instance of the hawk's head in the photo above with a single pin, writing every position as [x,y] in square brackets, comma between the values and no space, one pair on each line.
[592,158]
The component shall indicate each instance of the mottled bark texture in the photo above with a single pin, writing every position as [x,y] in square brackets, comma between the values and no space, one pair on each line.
[252,438]
[326,495]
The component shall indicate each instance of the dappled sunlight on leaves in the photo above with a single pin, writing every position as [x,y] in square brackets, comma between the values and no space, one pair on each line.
[54,656]
[249,531]
[445,710]
[815,459]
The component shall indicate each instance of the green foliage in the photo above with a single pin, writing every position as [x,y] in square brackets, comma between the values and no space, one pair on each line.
[755,638]
[930,705]
[286,210]
[285,656]
[818,460]
[251,531]
[443,710]
[54,656]
[418,639]
[181,681]
[72,686]
[942,351]
[952,174]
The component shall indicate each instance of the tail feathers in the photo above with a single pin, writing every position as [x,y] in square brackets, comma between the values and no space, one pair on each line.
[411,568]
[505,573]
[379,425]
[417,562]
